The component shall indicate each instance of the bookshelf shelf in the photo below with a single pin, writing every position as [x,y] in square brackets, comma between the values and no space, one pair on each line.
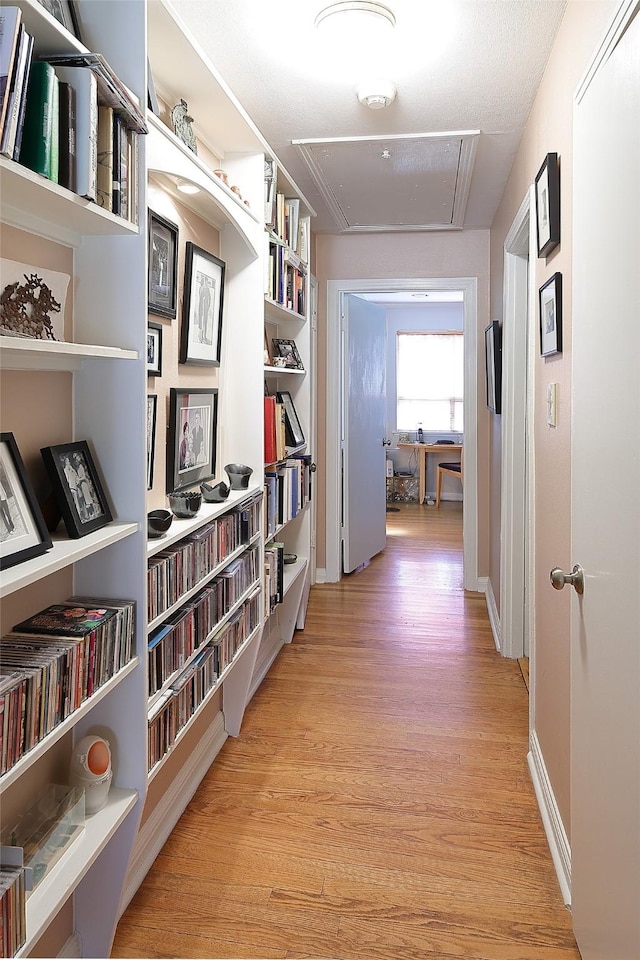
[179,529]
[17,353]
[50,36]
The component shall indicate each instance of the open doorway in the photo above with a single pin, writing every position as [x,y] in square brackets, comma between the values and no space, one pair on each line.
[336,290]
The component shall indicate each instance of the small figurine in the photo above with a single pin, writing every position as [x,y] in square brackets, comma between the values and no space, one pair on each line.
[182,125]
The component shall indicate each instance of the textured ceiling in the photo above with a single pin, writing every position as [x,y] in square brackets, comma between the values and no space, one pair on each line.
[459,65]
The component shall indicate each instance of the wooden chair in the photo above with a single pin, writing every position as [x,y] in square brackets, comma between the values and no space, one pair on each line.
[454,469]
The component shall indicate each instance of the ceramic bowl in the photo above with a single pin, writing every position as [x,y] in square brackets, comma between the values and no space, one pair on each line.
[185,505]
[239,474]
[158,522]
[214,494]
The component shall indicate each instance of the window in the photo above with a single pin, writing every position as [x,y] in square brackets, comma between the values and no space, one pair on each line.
[430,377]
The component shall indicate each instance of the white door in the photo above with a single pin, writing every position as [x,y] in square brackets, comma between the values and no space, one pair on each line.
[605,625]
[364,356]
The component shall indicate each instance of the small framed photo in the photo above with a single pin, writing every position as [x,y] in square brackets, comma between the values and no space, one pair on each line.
[267,352]
[163,266]
[154,349]
[201,334]
[77,487]
[65,13]
[152,410]
[23,532]
[294,436]
[548,205]
[193,425]
[288,351]
[550,296]
[493,365]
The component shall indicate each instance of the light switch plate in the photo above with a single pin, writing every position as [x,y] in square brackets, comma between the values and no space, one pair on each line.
[552,404]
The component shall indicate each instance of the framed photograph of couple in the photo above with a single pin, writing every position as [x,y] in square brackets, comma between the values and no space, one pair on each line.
[23,532]
[162,292]
[77,487]
[193,424]
[201,332]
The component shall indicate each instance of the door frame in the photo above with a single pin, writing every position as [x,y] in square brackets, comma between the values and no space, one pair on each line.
[335,291]
[517,606]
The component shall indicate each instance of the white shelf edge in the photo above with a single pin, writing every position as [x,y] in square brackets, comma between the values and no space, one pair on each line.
[208,511]
[16,771]
[287,371]
[291,573]
[19,353]
[247,595]
[283,313]
[54,890]
[65,551]
[219,682]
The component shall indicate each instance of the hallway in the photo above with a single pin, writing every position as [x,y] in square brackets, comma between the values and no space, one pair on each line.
[377,804]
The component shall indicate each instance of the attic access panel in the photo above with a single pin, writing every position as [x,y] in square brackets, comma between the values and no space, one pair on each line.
[419,182]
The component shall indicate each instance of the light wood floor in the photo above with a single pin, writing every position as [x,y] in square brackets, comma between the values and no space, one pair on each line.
[377,804]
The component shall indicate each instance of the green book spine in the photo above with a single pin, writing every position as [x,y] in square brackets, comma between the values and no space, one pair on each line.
[39,150]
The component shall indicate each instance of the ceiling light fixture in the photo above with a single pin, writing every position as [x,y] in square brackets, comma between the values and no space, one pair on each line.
[186,186]
[377,94]
[368,13]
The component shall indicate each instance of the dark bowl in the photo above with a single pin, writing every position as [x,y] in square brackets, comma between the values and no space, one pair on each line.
[216,494]
[185,505]
[239,474]
[158,522]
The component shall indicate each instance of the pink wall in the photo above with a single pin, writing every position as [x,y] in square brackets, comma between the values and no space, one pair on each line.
[549,129]
[404,256]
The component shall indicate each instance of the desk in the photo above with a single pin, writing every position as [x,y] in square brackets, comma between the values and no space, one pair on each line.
[423,449]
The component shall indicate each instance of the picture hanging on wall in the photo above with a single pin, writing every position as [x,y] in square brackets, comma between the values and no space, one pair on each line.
[154,349]
[193,422]
[163,266]
[201,334]
[548,205]
[23,532]
[493,365]
[77,487]
[550,297]
[152,408]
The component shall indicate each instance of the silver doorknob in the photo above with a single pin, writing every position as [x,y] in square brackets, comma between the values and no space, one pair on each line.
[386,443]
[576,578]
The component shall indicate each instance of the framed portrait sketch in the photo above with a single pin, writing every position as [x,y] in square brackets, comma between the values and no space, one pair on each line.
[23,532]
[65,13]
[294,436]
[163,266]
[201,333]
[152,409]
[548,205]
[193,424]
[77,487]
[550,296]
[288,351]
[154,349]
[493,365]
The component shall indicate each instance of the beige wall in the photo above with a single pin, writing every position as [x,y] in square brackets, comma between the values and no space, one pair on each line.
[549,129]
[404,256]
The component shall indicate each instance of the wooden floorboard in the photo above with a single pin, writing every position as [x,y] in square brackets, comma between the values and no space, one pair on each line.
[377,804]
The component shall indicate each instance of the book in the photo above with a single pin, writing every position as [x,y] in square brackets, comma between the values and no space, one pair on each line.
[104,182]
[17,95]
[39,149]
[123,164]
[85,86]
[270,449]
[67,136]
[10,21]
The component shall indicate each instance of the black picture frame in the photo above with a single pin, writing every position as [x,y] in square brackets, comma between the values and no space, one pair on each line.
[550,308]
[202,305]
[193,430]
[23,531]
[288,350]
[77,487]
[65,12]
[162,293]
[154,349]
[294,436]
[548,205]
[152,414]
[493,365]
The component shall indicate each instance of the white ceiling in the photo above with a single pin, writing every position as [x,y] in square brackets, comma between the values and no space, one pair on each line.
[460,66]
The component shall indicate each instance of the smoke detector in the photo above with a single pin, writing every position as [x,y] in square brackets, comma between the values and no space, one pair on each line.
[377,94]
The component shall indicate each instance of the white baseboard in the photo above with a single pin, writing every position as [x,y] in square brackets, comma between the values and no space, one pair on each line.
[321,575]
[154,833]
[71,949]
[494,616]
[553,826]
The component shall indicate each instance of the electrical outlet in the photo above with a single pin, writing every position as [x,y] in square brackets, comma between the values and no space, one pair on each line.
[552,404]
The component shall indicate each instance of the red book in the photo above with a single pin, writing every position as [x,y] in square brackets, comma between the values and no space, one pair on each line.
[270,447]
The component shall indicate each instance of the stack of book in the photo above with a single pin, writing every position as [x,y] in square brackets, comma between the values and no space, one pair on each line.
[70,119]
[286,278]
[287,491]
[273,575]
[13,914]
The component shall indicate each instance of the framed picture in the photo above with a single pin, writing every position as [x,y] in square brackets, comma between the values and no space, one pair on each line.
[65,13]
[193,424]
[293,431]
[548,205]
[23,532]
[288,350]
[154,349]
[493,365]
[550,296]
[267,352]
[152,410]
[77,487]
[201,335]
[163,266]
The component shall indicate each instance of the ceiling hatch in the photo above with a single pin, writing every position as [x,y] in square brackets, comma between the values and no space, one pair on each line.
[418,182]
